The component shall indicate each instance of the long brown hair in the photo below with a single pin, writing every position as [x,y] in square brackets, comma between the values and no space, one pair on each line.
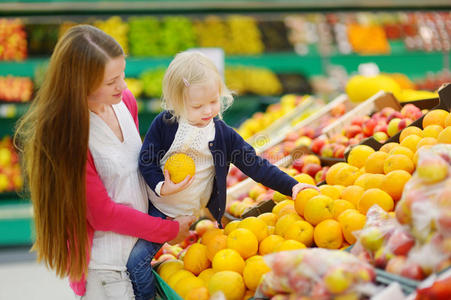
[53,140]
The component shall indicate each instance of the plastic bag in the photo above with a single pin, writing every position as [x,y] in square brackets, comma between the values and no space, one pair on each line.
[317,273]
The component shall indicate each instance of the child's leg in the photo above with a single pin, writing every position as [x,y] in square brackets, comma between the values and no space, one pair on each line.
[140,270]
[138,264]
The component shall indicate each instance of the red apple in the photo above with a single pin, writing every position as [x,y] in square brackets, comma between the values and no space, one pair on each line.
[317,144]
[394,115]
[338,110]
[396,265]
[339,151]
[359,120]
[413,271]
[203,226]
[352,131]
[368,127]
[387,111]
[190,239]
[382,257]
[400,242]
[311,169]
[298,164]
[381,127]
[327,151]
[411,111]
[291,136]
[321,175]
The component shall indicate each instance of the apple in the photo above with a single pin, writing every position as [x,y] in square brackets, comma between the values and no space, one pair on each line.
[404,123]
[165,257]
[327,150]
[394,115]
[203,226]
[337,280]
[338,110]
[190,239]
[291,136]
[265,196]
[311,159]
[396,265]
[387,111]
[400,242]
[359,120]
[288,147]
[411,111]
[321,175]
[352,131]
[413,271]
[339,151]
[309,132]
[380,136]
[382,256]
[298,164]
[311,169]
[368,127]
[256,191]
[432,169]
[372,238]
[393,127]
[317,144]
[174,250]
[381,127]
[439,290]
[182,253]
[303,141]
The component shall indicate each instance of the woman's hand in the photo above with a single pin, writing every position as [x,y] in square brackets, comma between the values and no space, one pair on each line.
[302,186]
[169,187]
[184,225]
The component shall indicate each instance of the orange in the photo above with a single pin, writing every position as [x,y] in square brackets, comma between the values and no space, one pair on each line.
[411,130]
[375,196]
[368,180]
[375,162]
[318,208]
[300,231]
[231,226]
[328,235]
[284,222]
[394,183]
[206,274]
[448,120]
[359,154]
[269,218]
[179,275]
[269,244]
[200,293]
[330,190]
[302,198]
[411,142]
[435,117]
[253,272]
[258,227]
[445,136]
[169,267]
[243,241]
[179,166]
[426,141]
[196,259]
[228,259]
[387,147]
[398,162]
[210,234]
[402,150]
[305,178]
[432,131]
[230,283]
[184,286]
[215,244]
[290,245]
[340,206]
[346,175]
[350,221]
[331,175]
[286,210]
[280,205]
[352,194]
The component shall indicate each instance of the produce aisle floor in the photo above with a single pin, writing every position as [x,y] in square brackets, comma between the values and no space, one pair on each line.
[22,278]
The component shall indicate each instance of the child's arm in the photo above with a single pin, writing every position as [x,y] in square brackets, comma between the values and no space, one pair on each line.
[244,157]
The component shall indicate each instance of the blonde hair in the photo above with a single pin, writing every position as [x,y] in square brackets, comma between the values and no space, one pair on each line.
[186,69]
[53,139]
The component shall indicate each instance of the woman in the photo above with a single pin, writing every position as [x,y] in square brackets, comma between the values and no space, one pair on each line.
[80,145]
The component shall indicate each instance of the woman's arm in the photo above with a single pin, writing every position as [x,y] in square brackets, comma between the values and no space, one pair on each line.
[106,215]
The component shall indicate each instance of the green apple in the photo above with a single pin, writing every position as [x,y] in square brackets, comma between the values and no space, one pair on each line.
[372,238]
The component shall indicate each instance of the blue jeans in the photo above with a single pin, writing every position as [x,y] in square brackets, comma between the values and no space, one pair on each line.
[138,264]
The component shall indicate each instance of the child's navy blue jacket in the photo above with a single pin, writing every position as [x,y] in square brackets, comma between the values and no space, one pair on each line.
[227,147]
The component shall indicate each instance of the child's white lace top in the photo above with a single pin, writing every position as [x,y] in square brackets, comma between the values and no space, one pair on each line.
[117,165]
[193,141]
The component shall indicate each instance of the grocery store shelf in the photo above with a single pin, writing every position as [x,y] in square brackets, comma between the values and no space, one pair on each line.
[402,61]
[71,6]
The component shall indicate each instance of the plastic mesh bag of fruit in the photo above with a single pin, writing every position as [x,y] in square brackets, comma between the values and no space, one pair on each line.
[317,273]
[425,205]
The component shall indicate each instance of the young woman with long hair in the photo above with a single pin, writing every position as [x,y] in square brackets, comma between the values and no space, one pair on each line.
[79,145]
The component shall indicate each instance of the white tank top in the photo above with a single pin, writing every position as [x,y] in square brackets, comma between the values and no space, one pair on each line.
[117,165]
